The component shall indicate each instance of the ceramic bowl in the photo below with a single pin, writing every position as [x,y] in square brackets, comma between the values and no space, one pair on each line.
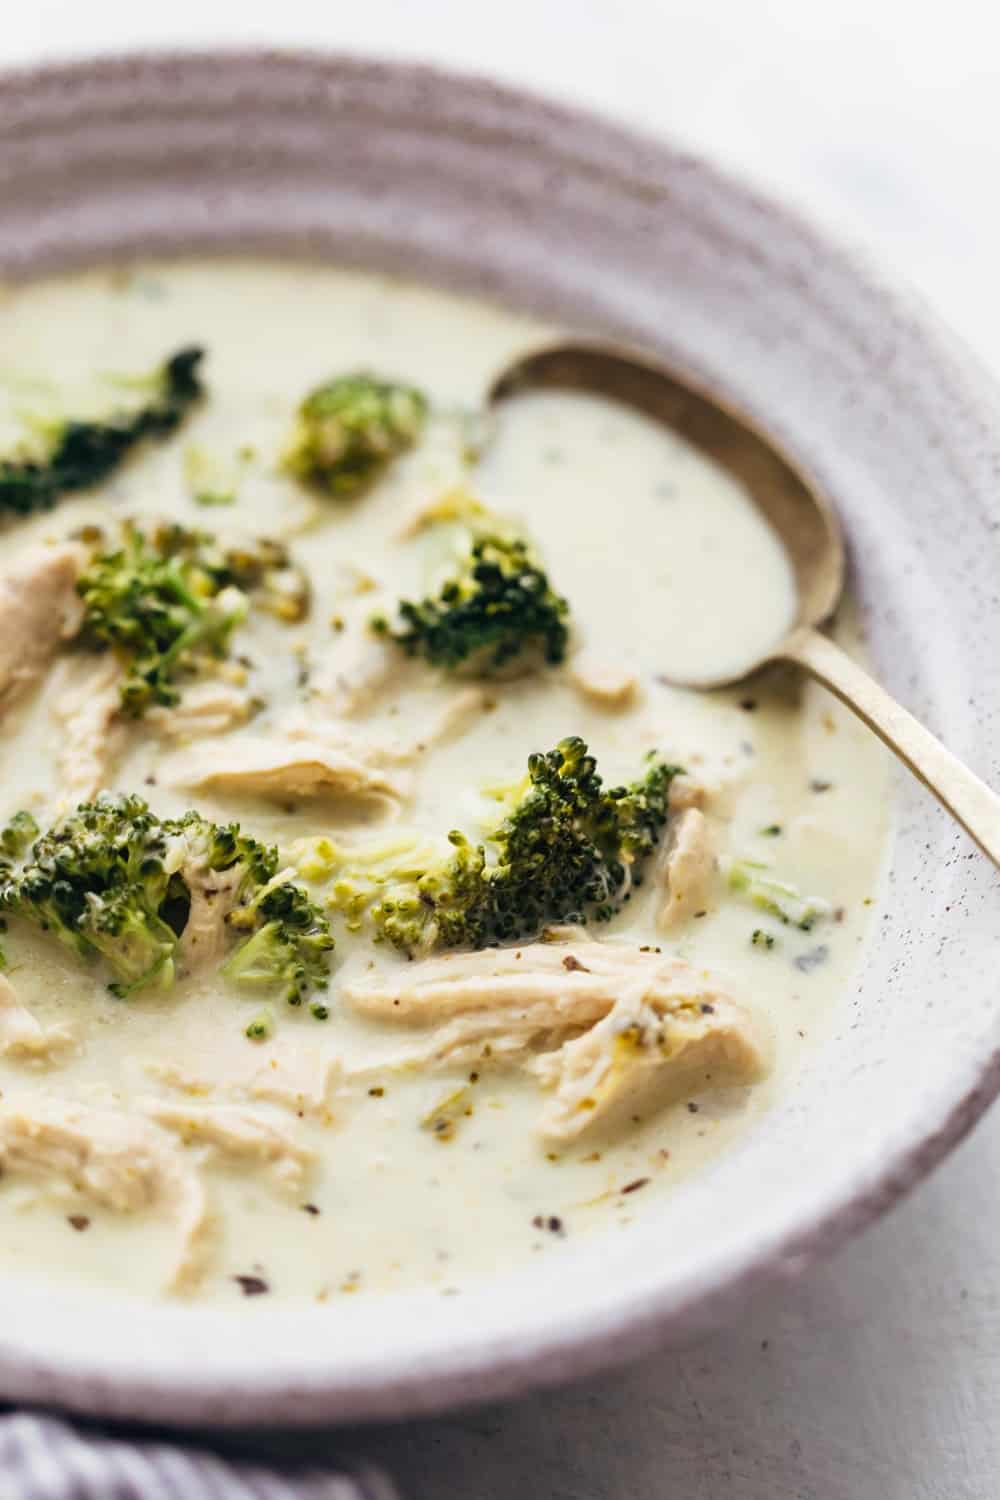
[476,187]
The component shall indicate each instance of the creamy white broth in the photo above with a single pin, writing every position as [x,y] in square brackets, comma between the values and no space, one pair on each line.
[708,587]
[664,562]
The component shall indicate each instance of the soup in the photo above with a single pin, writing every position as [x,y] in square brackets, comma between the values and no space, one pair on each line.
[352,627]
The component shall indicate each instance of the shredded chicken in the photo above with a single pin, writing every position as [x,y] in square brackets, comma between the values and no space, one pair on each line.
[686,792]
[86,705]
[236,1134]
[39,609]
[111,1159]
[356,670]
[630,1022]
[23,1038]
[503,1005]
[206,708]
[459,714]
[304,1085]
[306,724]
[718,788]
[603,681]
[287,769]
[214,893]
[662,1038]
[685,870]
[298,1080]
[507,1038]
[546,979]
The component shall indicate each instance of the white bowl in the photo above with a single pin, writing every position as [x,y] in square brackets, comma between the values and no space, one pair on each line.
[460,182]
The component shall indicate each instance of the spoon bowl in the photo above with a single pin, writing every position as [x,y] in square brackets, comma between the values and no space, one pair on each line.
[804,519]
[805,523]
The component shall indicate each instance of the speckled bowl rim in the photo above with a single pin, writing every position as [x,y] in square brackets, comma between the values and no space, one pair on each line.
[506,1366]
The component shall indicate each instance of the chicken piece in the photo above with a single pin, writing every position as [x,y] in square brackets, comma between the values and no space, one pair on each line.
[685,870]
[39,609]
[306,724]
[660,1040]
[508,1038]
[236,1135]
[357,669]
[287,769]
[86,704]
[544,985]
[505,1005]
[603,681]
[686,792]
[114,1161]
[293,1078]
[304,1084]
[214,894]
[23,1038]
[459,712]
[458,715]
[206,708]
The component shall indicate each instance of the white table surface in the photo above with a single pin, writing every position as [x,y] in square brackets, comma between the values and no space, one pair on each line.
[876,1377]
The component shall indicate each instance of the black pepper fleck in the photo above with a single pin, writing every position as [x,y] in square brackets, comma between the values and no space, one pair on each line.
[252,1286]
[634,1186]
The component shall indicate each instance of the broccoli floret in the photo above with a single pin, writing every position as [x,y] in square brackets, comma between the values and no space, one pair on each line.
[82,453]
[169,600]
[289,946]
[349,430]
[498,606]
[751,878]
[569,850]
[261,1028]
[99,883]
[111,881]
[16,837]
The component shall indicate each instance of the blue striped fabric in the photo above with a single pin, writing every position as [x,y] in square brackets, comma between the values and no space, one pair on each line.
[44,1458]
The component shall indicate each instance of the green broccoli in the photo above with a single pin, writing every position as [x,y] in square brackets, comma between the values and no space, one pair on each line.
[168,601]
[82,453]
[113,881]
[289,944]
[497,607]
[261,1028]
[14,840]
[349,430]
[751,878]
[568,850]
[16,837]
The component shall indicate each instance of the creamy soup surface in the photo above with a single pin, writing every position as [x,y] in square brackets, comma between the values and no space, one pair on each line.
[356,1155]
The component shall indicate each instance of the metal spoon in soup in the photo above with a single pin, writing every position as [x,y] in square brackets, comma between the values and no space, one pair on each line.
[810,533]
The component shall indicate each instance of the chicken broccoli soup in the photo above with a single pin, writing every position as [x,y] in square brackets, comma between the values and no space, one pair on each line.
[374,911]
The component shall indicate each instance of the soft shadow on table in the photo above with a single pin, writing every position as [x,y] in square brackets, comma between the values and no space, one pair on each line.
[827,1390]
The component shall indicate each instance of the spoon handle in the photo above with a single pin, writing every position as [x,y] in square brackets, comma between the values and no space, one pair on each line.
[968,799]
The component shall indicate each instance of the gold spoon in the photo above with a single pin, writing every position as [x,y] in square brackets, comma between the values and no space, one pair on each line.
[807,526]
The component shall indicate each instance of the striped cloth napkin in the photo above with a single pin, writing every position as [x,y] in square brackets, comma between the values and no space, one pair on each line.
[44,1458]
